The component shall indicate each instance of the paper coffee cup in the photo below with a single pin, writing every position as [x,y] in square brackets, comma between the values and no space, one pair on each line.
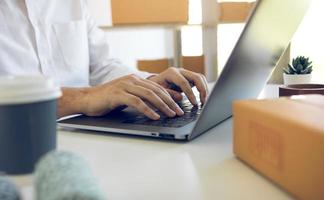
[27,121]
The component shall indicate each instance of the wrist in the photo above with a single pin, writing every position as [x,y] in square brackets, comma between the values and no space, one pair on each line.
[72,102]
[84,100]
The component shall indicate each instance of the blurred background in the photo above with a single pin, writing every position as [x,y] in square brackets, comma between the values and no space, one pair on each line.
[199,34]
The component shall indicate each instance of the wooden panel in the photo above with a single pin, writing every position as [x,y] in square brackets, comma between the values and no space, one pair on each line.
[194,63]
[235,12]
[153,66]
[149,11]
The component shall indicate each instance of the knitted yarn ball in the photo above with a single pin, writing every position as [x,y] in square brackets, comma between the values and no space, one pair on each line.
[8,190]
[63,175]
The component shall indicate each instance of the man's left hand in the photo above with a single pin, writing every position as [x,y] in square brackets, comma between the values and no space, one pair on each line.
[182,78]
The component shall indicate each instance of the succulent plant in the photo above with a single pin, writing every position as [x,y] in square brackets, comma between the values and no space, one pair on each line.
[299,65]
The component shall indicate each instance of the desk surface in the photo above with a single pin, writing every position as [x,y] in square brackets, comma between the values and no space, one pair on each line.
[141,168]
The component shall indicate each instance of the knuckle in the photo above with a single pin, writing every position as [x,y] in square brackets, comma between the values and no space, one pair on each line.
[148,93]
[203,77]
[184,82]
[133,77]
[116,92]
[123,84]
[173,69]
[159,92]
[165,107]
[162,105]
[146,109]
[174,105]
[120,84]
[199,74]
[169,100]
[136,101]
[196,77]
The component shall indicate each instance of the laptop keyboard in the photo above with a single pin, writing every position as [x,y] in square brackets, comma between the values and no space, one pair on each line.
[190,114]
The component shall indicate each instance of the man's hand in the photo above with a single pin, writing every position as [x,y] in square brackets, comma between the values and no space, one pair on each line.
[182,79]
[130,91]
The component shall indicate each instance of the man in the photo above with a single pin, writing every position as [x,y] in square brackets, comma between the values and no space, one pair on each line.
[58,38]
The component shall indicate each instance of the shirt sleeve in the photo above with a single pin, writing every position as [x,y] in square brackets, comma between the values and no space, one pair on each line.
[103,68]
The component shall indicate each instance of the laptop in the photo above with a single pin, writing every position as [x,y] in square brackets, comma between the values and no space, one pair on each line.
[264,39]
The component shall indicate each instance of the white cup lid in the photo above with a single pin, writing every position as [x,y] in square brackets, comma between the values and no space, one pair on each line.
[27,89]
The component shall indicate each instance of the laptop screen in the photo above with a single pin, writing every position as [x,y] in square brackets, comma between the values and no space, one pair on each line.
[267,34]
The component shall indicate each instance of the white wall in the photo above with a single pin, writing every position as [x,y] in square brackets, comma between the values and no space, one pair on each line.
[133,43]
[309,39]
[130,44]
[101,11]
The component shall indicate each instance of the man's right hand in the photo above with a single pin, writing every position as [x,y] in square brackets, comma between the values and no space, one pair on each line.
[130,91]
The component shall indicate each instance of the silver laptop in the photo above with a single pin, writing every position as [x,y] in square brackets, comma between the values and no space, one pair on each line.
[266,35]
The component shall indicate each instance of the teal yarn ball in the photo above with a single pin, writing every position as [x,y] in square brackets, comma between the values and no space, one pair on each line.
[8,190]
[63,175]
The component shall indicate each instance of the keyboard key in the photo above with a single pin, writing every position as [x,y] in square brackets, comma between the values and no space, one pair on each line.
[190,114]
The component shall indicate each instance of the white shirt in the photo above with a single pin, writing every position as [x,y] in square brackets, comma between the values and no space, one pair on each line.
[56,38]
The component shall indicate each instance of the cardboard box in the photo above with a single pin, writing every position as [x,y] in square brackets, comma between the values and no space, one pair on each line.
[149,11]
[235,12]
[153,66]
[194,63]
[283,139]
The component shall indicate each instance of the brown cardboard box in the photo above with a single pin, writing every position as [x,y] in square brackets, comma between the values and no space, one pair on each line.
[235,12]
[149,11]
[194,63]
[283,139]
[153,66]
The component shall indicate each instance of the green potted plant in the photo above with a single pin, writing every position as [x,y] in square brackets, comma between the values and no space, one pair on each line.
[298,72]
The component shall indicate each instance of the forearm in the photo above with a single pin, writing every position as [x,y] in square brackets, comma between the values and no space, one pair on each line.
[72,101]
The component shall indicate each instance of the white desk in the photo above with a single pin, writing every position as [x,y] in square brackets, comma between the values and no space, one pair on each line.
[130,168]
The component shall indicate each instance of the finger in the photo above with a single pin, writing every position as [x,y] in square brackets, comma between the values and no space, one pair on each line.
[205,82]
[183,83]
[153,84]
[152,98]
[139,105]
[206,85]
[175,95]
[199,83]
[163,94]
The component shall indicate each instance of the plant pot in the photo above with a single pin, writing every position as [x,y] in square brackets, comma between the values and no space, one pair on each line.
[300,89]
[292,79]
